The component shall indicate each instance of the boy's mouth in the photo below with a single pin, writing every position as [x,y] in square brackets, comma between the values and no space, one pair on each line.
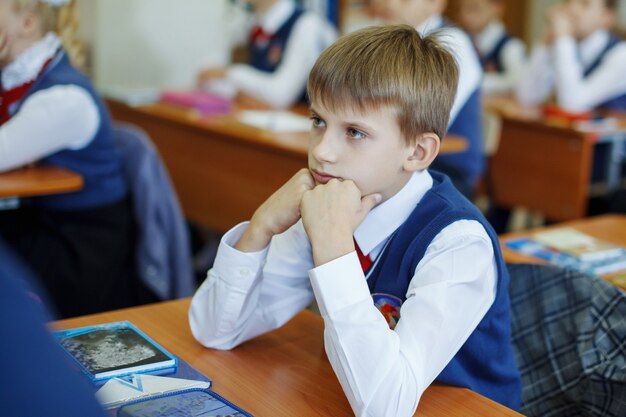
[321,177]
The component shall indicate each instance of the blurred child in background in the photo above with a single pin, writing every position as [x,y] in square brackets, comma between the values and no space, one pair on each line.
[463,168]
[283,43]
[579,58]
[80,244]
[502,55]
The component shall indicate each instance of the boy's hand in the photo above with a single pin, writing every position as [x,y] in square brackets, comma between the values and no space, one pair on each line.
[559,23]
[5,45]
[330,213]
[277,214]
[210,74]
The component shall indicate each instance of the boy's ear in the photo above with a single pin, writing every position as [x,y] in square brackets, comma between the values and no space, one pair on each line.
[424,150]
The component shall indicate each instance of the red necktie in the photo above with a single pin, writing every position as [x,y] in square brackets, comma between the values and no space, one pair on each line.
[365,260]
[259,36]
[14,95]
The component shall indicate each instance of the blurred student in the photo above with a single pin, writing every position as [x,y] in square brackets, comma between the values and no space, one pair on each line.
[502,56]
[283,43]
[463,168]
[579,58]
[80,244]
[36,379]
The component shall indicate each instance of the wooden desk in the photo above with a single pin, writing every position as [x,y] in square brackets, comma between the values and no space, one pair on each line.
[223,169]
[282,373]
[38,180]
[611,228]
[543,166]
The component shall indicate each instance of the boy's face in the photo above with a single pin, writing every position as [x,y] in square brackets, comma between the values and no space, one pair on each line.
[410,12]
[588,16]
[475,15]
[367,148]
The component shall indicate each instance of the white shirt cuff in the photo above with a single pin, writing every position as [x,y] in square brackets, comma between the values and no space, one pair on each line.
[241,268]
[339,284]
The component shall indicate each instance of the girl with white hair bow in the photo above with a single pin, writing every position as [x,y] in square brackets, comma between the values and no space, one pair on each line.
[80,244]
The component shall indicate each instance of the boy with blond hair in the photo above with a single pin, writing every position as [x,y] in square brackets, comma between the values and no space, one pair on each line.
[407,273]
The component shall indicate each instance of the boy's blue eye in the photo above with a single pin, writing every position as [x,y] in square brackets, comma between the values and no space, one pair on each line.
[356,134]
[317,122]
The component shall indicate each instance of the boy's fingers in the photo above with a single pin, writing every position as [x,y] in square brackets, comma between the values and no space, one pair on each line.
[369,201]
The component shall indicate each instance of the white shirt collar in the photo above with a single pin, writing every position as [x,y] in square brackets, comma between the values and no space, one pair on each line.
[385,218]
[429,25]
[487,40]
[26,66]
[276,15]
[592,46]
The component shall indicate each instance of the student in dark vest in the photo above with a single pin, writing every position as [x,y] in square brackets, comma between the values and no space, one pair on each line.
[30,355]
[579,59]
[407,273]
[283,43]
[463,168]
[502,56]
[80,244]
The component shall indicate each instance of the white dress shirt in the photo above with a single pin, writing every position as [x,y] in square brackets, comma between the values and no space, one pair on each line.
[563,64]
[310,35]
[470,70]
[60,117]
[383,372]
[512,56]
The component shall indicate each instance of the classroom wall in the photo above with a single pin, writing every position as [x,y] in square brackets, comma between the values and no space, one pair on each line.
[152,43]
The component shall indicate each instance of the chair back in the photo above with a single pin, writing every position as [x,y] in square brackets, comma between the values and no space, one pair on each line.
[569,337]
[164,259]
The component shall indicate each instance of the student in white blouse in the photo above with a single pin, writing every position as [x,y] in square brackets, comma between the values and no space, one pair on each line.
[283,43]
[80,244]
[579,58]
[502,56]
[407,273]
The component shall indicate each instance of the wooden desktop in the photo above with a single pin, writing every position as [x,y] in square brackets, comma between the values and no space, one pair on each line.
[38,180]
[282,373]
[543,165]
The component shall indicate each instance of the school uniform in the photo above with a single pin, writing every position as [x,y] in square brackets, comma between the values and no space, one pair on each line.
[586,75]
[464,168]
[284,43]
[437,294]
[80,244]
[30,355]
[502,57]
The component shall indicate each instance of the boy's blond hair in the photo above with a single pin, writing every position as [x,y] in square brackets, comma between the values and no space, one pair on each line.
[61,20]
[389,66]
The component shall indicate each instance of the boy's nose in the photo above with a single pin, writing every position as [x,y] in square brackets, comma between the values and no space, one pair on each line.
[323,148]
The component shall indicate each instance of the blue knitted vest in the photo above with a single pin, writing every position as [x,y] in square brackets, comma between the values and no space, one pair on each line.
[615,103]
[268,56]
[470,163]
[485,363]
[98,162]
[493,58]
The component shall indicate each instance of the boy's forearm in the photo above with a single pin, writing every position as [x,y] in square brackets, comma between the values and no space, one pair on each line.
[255,238]
[331,247]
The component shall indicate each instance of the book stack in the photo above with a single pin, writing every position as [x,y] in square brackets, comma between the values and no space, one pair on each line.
[572,249]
